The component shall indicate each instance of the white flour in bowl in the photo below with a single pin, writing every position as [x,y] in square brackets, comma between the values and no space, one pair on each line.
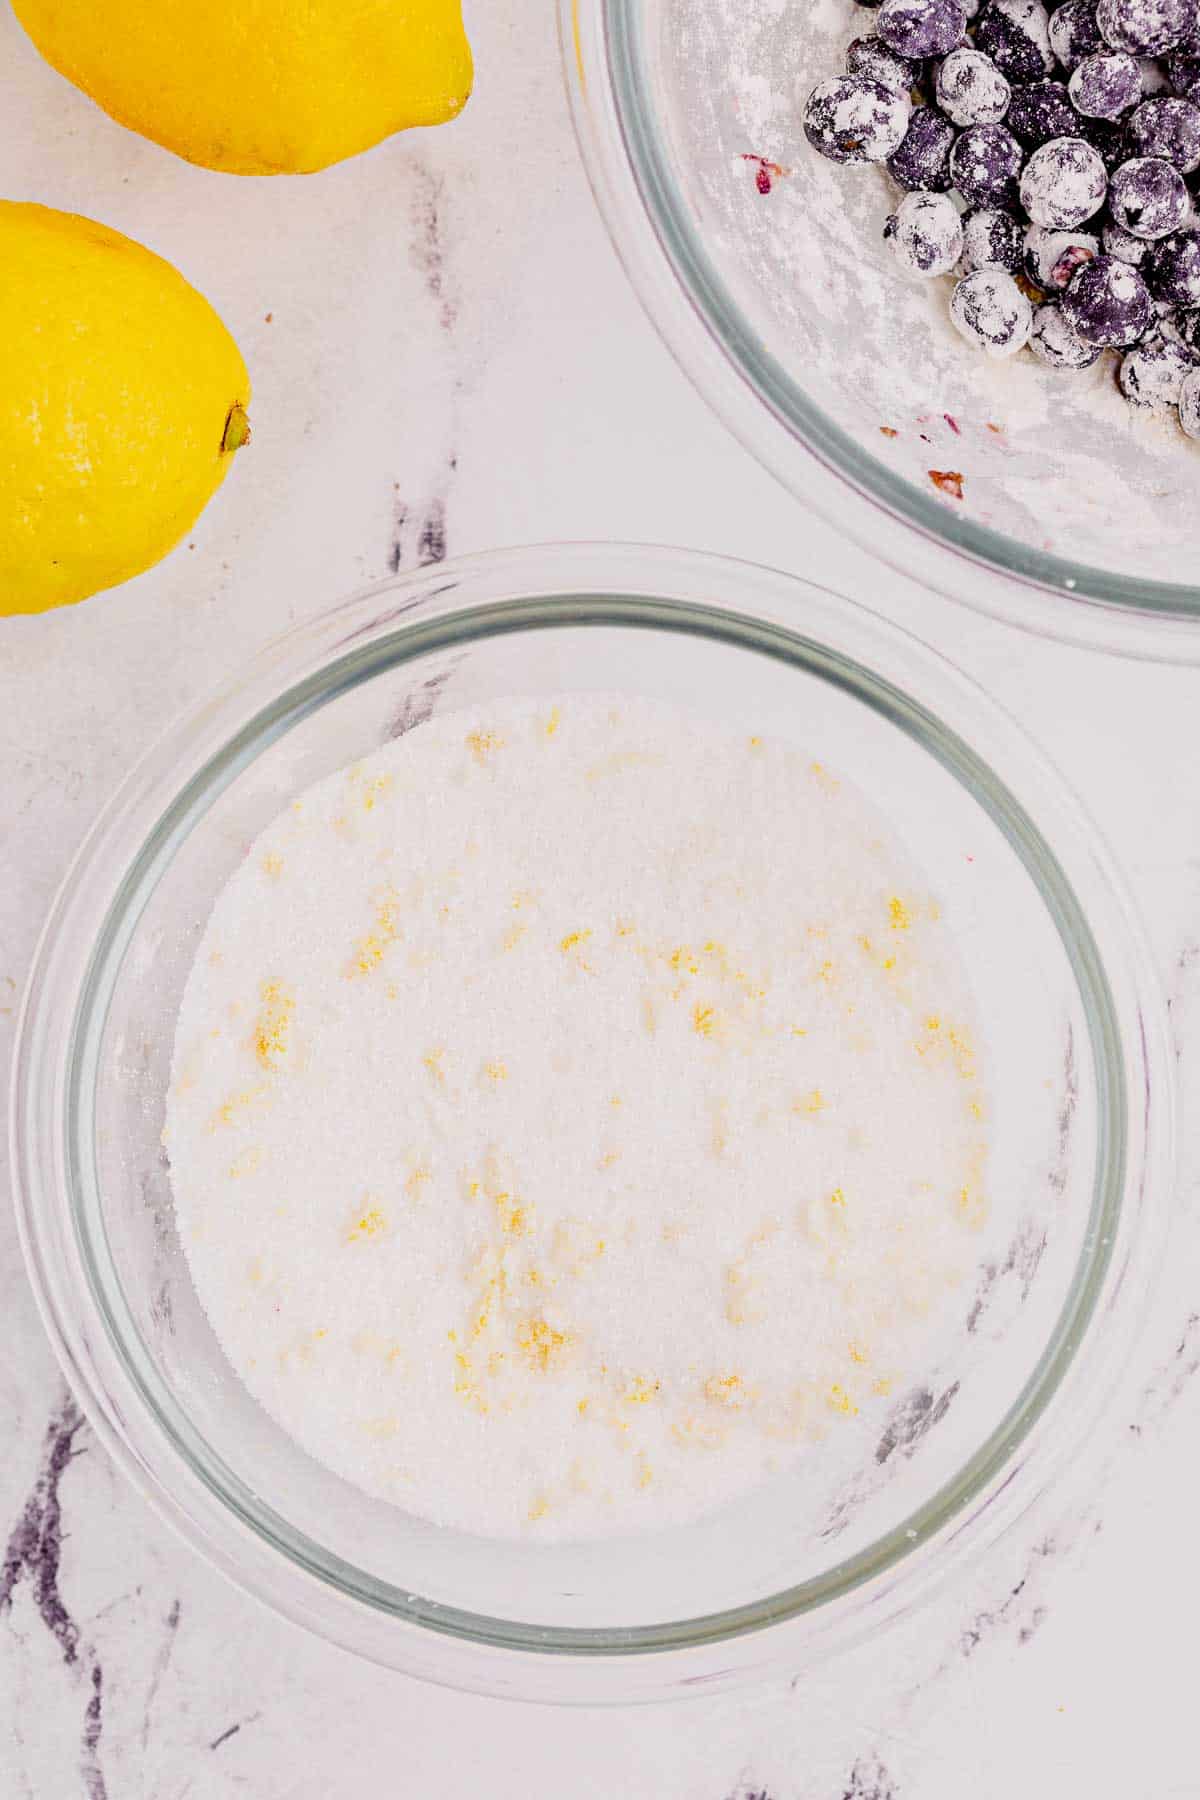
[575,1117]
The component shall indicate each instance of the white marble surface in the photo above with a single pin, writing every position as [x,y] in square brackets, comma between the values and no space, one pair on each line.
[444,349]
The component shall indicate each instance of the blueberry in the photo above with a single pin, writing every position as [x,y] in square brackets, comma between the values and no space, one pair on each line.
[990,311]
[1189,404]
[1147,197]
[870,56]
[984,165]
[1153,372]
[1016,35]
[1169,128]
[1172,269]
[922,27]
[925,234]
[1107,137]
[922,159]
[1074,32]
[1186,327]
[1105,86]
[1124,246]
[1051,258]
[971,90]
[1144,27]
[1108,302]
[1055,341]
[1040,111]
[1063,183]
[1183,72]
[852,119]
[991,235]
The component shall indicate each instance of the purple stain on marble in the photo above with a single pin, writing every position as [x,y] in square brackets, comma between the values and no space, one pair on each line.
[869,1780]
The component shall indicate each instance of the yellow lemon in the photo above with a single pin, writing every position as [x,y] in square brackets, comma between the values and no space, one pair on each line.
[122,400]
[260,87]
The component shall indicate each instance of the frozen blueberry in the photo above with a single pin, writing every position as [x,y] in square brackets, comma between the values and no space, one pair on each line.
[922,159]
[1051,257]
[1040,111]
[1147,197]
[1169,128]
[984,165]
[1153,372]
[1105,86]
[1054,340]
[1144,27]
[1183,73]
[1124,246]
[1016,35]
[1105,136]
[991,235]
[870,56]
[922,27]
[1074,32]
[1189,404]
[925,234]
[1108,302]
[990,310]
[1063,183]
[1172,269]
[852,119]
[971,90]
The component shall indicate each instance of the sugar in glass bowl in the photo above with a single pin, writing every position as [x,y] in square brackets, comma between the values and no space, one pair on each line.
[865,1525]
[1039,496]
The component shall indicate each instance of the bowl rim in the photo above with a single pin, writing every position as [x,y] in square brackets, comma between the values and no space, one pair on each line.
[630,169]
[93,919]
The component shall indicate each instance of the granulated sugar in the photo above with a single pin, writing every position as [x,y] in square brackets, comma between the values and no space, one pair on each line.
[575,1117]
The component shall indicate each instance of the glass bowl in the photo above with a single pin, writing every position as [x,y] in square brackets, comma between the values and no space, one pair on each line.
[1074,1040]
[1055,504]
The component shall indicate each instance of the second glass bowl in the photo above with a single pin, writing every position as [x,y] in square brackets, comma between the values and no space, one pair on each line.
[857,1532]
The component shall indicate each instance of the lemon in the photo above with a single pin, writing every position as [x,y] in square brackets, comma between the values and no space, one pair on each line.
[122,399]
[260,87]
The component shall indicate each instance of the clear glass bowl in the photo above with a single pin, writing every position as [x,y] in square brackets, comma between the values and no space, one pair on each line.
[1076,516]
[1080,1082]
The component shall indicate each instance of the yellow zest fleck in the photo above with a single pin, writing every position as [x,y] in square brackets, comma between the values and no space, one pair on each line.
[799,1031]
[810,1104]
[972,1207]
[963,1053]
[640,1391]
[245,1163]
[228,1111]
[512,1215]
[608,1159]
[572,941]
[272,864]
[645,1474]
[513,936]
[839,1400]
[542,1344]
[538,1509]
[496,1071]
[838,1197]
[273,1032]
[649,1015]
[318,1335]
[828,783]
[372,1224]
[553,722]
[726,1390]
[371,949]
[826,971]
[857,1353]
[473,1188]
[684,961]
[899,916]
[933,1023]
[882,1385]
[483,744]
[625,928]
[705,1021]
[416,1180]
[581,1406]
[433,1060]
[756,743]
[522,898]
[374,789]
[975,1108]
